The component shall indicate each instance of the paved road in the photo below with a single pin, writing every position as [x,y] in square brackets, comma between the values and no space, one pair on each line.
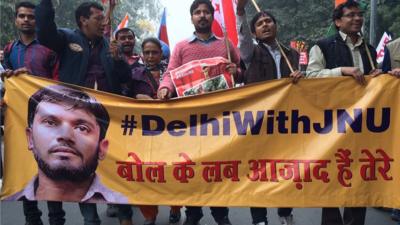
[11,214]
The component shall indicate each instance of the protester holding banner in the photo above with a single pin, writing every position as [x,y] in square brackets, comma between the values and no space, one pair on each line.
[147,78]
[391,61]
[84,58]
[27,55]
[26,51]
[145,82]
[264,61]
[345,54]
[203,44]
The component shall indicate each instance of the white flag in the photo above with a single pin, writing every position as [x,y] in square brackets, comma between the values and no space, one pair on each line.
[380,50]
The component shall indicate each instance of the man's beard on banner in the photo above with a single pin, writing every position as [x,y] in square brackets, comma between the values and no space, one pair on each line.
[65,173]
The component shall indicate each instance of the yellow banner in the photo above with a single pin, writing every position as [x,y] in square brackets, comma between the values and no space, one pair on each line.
[321,142]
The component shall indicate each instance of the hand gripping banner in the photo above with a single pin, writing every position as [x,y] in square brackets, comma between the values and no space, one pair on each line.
[319,143]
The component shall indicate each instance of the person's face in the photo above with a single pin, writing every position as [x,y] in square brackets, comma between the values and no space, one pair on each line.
[65,141]
[351,22]
[265,29]
[151,54]
[95,24]
[126,40]
[202,19]
[25,20]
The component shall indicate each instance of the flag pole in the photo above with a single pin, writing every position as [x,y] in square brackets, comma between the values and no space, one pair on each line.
[277,42]
[255,5]
[229,54]
[368,52]
[284,56]
[369,56]
[227,46]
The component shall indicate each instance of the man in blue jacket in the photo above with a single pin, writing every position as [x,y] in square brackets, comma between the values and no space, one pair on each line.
[84,54]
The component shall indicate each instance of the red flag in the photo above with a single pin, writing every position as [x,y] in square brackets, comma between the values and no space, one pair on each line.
[162,32]
[225,18]
[230,20]
[338,2]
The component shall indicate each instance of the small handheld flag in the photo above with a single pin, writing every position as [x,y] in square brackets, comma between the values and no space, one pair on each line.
[162,31]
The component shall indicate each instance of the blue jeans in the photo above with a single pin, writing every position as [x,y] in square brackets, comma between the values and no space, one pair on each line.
[259,215]
[32,212]
[197,213]
[89,213]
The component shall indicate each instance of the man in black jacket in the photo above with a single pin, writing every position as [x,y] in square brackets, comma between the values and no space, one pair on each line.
[84,53]
[264,61]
